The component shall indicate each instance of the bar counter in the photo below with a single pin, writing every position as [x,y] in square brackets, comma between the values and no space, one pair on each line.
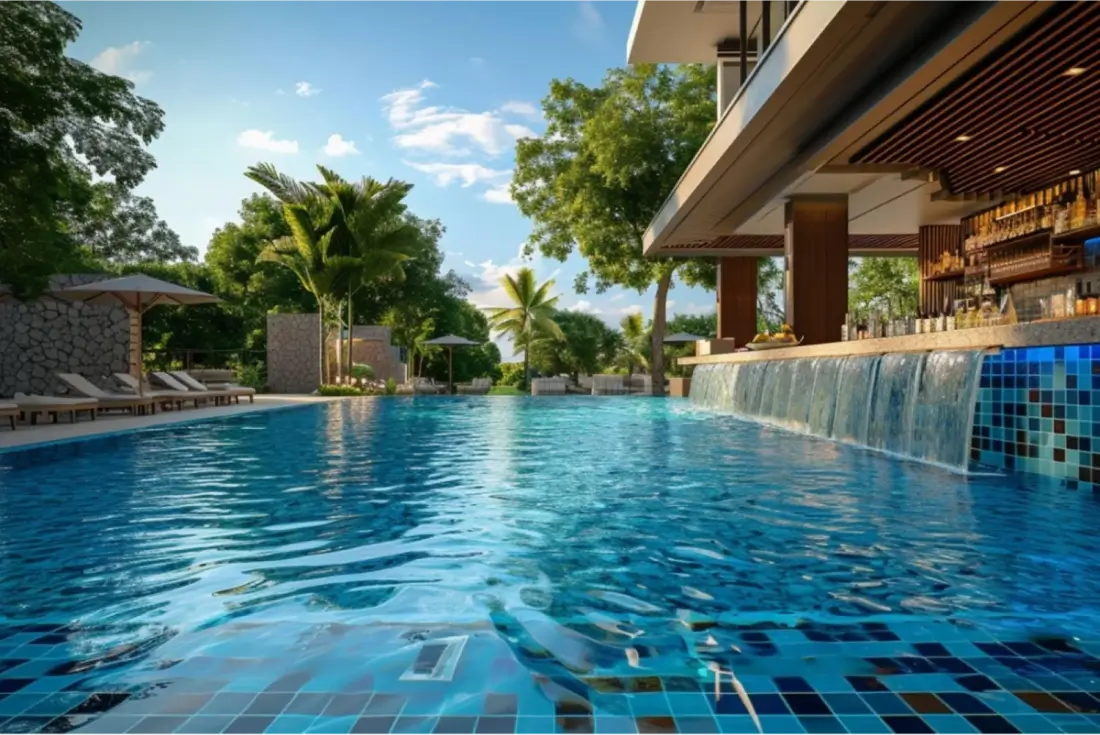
[1074,331]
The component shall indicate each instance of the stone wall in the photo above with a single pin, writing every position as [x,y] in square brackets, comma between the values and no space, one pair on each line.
[293,352]
[49,335]
[371,346]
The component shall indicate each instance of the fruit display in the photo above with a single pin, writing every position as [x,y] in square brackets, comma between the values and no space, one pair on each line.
[785,335]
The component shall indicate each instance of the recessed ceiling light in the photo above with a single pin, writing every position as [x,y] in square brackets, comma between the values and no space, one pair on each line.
[962,139]
[1075,172]
[1000,169]
[1075,71]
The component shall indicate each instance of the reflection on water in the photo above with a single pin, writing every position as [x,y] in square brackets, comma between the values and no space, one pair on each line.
[542,519]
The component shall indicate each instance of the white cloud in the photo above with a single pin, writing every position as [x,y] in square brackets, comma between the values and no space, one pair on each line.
[500,194]
[469,174]
[455,254]
[618,297]
[589,24]
[305,89]
[266,141]
[632,309]
[693,309]
[119,61]
[337,146]
[524,109]
[447,130]
[585,307]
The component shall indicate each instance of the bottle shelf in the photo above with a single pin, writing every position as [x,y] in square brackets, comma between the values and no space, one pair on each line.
[1081,233]
[1057,261]
[947,275]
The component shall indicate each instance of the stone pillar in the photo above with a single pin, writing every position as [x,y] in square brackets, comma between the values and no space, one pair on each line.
[736,299]
[816,245]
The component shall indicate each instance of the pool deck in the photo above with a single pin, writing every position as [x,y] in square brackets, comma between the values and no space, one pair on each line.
[27,436]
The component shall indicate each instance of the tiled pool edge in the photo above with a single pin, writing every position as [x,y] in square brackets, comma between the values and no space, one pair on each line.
[1036,413]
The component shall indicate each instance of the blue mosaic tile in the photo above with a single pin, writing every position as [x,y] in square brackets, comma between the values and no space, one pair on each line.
[294,724]
[864,724]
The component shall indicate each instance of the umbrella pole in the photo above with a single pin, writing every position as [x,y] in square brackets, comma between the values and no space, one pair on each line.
[450,370]
[139,367]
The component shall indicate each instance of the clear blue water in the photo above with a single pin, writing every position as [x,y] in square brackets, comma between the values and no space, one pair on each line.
[557,533]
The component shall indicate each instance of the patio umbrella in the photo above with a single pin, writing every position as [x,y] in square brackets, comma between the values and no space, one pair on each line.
[138,293]
[681,337]
[450,341]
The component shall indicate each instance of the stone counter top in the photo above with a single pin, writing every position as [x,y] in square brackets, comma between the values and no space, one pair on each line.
[1078,330]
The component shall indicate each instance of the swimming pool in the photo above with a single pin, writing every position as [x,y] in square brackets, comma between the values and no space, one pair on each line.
[583,560]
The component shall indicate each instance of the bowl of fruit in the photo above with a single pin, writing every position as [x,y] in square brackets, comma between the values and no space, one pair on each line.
[784,338]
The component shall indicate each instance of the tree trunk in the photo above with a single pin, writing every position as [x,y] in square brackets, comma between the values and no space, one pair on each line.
[321,328]
[526,372]
[350,333]
[657,361]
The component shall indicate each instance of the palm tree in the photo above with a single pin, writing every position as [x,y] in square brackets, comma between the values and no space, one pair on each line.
[369,237]
[531,316]
[410,330]
[633,338]
[306,252]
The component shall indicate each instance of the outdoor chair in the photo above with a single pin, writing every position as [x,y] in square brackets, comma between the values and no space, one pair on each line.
[30,406]
[235,392]
[107,401]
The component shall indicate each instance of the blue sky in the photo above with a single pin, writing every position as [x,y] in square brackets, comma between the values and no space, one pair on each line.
[435,93]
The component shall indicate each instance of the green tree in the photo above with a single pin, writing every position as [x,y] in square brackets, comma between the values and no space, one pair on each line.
[410,328]
[610,156]
[122,228]
[632,351]
[587,345]
[886,285]
[61,122]
[342,235]
[531,315]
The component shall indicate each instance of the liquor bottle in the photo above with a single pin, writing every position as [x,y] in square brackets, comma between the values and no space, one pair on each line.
[1079,207]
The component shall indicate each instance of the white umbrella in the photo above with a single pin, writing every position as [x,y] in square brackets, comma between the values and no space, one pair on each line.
[681,337]
[450,342]
[138,293]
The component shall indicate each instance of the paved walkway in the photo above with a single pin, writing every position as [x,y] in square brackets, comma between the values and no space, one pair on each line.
[26,435]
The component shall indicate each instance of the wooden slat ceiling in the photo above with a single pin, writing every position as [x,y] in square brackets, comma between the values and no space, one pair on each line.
[1020,109]
[886,243]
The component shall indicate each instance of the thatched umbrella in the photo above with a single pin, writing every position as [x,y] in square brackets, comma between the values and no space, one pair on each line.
[138,293]
[451,341]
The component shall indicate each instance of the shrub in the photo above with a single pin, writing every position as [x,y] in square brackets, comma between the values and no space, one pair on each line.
[362,372]
[339,390]
[391,387]
[252,376]
[511,373]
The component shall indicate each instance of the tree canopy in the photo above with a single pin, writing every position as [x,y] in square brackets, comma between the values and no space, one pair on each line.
[609,157]
[61,121]
[885,285]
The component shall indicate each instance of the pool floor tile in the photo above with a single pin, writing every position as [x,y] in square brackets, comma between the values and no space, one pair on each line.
[288,724]
[24,724]
[615,724]
[206,724]
[574,725]
[374,724]
[696,724]
[781,724]
[456,725]
[906,724]
[333,725]
[535,724]
[822,724]
[990,724]
[953,724]
[159,724]
[495,724]
[308,703]
[655,725]
[864,724]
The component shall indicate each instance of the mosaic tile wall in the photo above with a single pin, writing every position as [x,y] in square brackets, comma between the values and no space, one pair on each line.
[1035,413]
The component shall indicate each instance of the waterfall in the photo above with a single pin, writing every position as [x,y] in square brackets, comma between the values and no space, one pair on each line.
[917,405]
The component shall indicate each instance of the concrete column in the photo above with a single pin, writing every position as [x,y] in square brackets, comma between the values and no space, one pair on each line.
[816,245]
[736,299]
[729,81]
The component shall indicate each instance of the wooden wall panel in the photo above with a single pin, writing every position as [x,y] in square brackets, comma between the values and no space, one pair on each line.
[736,294]
[935,240]
[816,245]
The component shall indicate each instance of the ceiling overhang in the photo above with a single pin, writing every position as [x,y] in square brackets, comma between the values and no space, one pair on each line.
[1021,118]
[839,76]
[765,246]
[689,31]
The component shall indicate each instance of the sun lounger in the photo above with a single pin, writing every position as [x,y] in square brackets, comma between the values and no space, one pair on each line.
[234,391]
[166,380]
[478,387]
[107,401]
[30,406]
[9,411]
[173,398]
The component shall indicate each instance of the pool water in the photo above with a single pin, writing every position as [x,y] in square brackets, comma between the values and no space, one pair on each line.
[590,561]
